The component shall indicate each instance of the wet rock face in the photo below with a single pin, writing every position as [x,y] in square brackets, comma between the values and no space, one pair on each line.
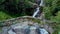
[26,29]
[24,26]
[22,29]
[38,1]
[5,30]
[48,28]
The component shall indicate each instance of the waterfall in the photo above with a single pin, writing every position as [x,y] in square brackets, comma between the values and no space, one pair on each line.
[37,9]
[42,30]
[42,3]
[35,13]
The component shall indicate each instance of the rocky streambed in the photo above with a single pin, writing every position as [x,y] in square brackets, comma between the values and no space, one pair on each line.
[25,25]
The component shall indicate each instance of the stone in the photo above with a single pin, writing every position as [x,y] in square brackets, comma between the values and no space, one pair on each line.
[11,32]
[43,31]
[5,30]
[33,30]
[27,29]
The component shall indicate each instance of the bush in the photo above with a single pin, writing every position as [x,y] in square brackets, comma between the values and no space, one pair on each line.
[4,16]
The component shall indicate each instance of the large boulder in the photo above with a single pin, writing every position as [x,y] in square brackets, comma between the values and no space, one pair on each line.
[24,25]
[27,29]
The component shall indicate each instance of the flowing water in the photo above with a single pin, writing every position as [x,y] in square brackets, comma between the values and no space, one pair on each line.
[37,9]
[42,3]
[42,30]
[35,13]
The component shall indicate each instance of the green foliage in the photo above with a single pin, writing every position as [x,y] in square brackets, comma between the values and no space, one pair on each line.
[52,12]
[51,8]
[1,1]
[47,12]
[15,8]
[4,16]
[56,18]
[59,32]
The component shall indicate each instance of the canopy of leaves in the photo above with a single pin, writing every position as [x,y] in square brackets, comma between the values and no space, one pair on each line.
[16,8]
[52,12]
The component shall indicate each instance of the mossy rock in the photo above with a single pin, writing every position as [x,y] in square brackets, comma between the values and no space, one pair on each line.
[20,19]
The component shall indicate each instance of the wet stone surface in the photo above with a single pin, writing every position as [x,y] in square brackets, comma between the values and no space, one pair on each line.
[22,28]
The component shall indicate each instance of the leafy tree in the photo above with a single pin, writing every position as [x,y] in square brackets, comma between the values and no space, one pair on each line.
[51,8]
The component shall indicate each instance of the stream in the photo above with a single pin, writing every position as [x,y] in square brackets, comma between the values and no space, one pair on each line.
[42,30]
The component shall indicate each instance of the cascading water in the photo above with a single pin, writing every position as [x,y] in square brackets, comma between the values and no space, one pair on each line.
[42,3]
[35,13]
[42,30]
[37,9]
